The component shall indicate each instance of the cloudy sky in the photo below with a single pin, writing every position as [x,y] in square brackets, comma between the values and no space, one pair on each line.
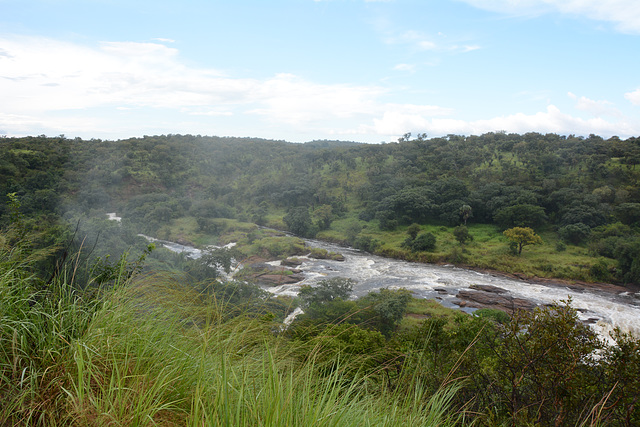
[301,70]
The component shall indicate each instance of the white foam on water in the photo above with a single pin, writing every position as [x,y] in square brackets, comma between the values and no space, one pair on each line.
[372,273]
[113,217]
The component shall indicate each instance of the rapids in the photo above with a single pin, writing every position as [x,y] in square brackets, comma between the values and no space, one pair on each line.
[604,310]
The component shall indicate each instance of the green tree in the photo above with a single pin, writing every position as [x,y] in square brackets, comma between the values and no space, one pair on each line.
[545,363]
[522,215]
[326,291]
[522,236]
[387,307]
[465,213]
[462,234]
[298,221]
[574,233]
[424,242]
[413,230]
[323,215]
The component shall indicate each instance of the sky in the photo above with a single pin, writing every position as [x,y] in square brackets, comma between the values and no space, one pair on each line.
[303,70]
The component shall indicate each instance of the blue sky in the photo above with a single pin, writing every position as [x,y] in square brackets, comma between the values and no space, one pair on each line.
[301,70]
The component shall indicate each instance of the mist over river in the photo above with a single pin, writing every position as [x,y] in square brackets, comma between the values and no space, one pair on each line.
[602,309]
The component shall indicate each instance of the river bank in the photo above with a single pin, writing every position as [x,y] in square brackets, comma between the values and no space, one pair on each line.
[603,306]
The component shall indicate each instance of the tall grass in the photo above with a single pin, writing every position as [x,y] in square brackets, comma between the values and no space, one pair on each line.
[175,360]
[152,351]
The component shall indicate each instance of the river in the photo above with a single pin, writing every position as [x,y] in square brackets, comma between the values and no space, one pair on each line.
[602,309]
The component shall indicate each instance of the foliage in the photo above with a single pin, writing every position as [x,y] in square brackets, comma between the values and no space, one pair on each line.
[326,291]
[211,264]
[462,235]
[423,242]
[574,233]
[388,307]
[298,221]
[522,215]
[506,180]
[413,231]
[366,243]
[522,236]
[466,212]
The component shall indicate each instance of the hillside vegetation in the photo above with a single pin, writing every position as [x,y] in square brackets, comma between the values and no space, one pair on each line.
[580,195]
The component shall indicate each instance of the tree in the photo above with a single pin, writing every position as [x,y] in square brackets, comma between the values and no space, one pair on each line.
[298,221]
[323,215]
[326,291]
[465,213]
[574,233]
[388,308]
[462,234]
[522,236]
[423,242]
[522,215]
[413,230]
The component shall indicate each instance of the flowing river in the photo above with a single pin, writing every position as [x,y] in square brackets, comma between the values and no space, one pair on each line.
[602,309]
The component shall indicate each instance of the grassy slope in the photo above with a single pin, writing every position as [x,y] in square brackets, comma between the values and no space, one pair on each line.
[489,250]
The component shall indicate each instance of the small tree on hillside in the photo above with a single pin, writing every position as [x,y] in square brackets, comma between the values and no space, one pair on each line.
[413,230]
[462,235]
[466,212]
[522,236]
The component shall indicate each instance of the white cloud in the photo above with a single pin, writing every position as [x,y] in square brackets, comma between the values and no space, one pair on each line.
[405,67]
[595,108]
[633,97]
[552,120]
[41,76]
[290,99]
[423,42]
[55,87]
[625,14]
[412,38]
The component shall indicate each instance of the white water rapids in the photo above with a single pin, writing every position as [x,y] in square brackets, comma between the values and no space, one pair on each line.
[603,310]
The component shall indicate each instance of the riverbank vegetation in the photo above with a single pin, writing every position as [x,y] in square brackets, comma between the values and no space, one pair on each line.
[580,195]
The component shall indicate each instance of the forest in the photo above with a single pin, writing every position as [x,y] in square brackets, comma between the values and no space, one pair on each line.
[99,327]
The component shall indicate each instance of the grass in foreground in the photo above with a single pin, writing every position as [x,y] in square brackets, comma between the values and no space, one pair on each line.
[155,352]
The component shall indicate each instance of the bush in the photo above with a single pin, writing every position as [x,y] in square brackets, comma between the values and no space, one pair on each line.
[424,242]
[574,233]
[462,235]
[366,243]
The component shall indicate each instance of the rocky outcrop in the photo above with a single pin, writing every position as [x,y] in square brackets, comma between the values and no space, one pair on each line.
[487,296]
[268,275]
[319,253]
[291,262]
[278,279]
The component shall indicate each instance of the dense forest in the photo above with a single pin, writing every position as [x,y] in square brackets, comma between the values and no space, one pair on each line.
[582,195]
[100,328]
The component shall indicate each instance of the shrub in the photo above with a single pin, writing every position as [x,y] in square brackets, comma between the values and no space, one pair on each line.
[575,233]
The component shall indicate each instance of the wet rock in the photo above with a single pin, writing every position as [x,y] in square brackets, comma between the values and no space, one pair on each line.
[489,288]
[483,299]
[319,253]
[278,279]
[269,275]
[291,262]
[441,291]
